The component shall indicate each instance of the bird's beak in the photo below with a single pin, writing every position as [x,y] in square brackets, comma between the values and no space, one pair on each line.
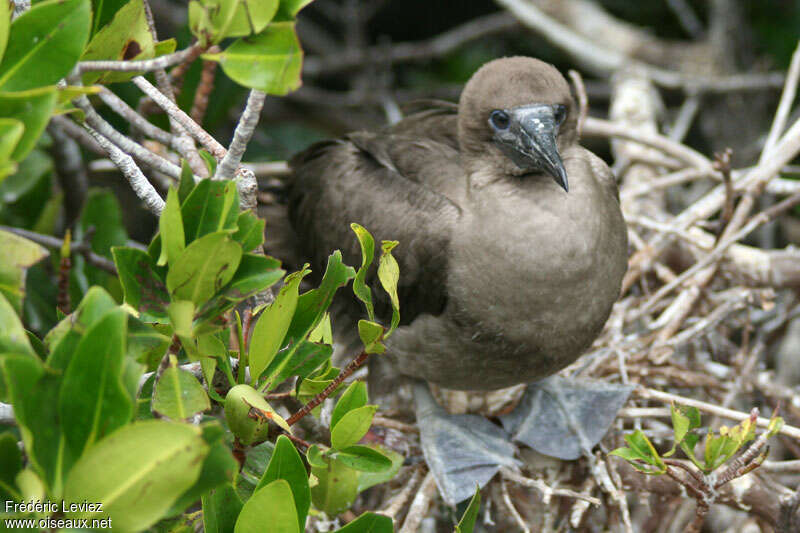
[530,140]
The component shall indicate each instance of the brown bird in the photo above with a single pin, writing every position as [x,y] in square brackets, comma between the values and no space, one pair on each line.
[512,243]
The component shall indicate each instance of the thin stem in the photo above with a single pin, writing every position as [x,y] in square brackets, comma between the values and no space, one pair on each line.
[146,65]
[241,136]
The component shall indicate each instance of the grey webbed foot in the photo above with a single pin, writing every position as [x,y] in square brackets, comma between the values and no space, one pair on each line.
[460,450]
[563,417]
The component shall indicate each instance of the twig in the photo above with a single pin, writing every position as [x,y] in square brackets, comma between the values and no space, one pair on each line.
[511,509]
[583,100]
[730,414]
[241,136]
[394,424]
[722,164]
[202,136]
[79,134]
[204,88]
[138,182]
[397,503]
[546,491]
[784,106]
[54,242]
[120,107]
[687,17]
[686,115]
[145,65]
[319,398]
[419,507]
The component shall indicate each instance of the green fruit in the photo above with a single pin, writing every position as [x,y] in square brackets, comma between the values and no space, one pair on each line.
[240,401]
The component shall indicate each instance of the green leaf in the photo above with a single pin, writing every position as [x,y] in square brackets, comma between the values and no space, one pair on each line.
[44,44]
[467,522]
[255,273]
[369,523]
[214,20]
[370,479]
[33,108]
[5,25]
[298,362]
[219,469]
[102,214]
[360,288]
[212,206]
[273,324]
[13,337]
[251,231]
[354,396]
[289,9]
[273,505]
[336,489]
[204,267]
[10,466]
[389,276]
[352,427]
[104,11]
[247,414]
[93,401]
[161,461]
[270,61]
[19,254]
[186,183]
[286,463]
[179,395]
[11,131]
[144,289]
[371,334]
[684,419]
[221,508]
[363,458]
[170,227]
[126,37]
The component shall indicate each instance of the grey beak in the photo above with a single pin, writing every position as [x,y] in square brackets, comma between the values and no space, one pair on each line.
[530,140]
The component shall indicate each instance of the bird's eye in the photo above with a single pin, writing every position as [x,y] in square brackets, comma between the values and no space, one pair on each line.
[559,113]
[499,119]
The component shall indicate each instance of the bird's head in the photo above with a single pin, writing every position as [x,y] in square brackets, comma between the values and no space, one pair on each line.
[517,113]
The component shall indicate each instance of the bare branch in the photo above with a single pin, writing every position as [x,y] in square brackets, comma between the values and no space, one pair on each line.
[145,65]
[241,136]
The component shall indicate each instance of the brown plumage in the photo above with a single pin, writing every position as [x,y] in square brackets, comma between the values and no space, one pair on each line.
[505,276]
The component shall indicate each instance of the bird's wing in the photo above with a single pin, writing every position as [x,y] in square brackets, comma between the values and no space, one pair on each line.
[388,184]
[436,120]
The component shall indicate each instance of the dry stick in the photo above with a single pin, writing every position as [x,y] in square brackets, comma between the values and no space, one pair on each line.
[145,65]
[667,180]
[784,106]
[397,503]
[583,100]
[241,136]
[351,367]
[730,414]
[510,505]
[128,145]
[138,182]
[202,136]
[54,242]
[79,134]
[547,491]
[419,507]
[686,115]
[120,107]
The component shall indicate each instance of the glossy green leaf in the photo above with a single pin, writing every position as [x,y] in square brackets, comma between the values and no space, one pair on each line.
[125,37]
[179,395]
[363,458]
[104,11]
[161,461]
[273,324]
[214,20]
[11,131]
[300,362]
[18,255]
[101,214]
[684,419]
[389,276]
[353,397]
[44,44]
[467,522]
[352,427]
[270,509]
[255,273]
[251,231]
[270,61]
[5,25]
[289,8]
[336,488]
[360,288]
[212,206]
[371,334]
[286,463]
[219,470]
[170,226]
[370,479]
[221,508]
[10,466]
[13,337]
[33,108]
[369,523]
[204,267]
[93,401]
[186,183]
[144,288]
